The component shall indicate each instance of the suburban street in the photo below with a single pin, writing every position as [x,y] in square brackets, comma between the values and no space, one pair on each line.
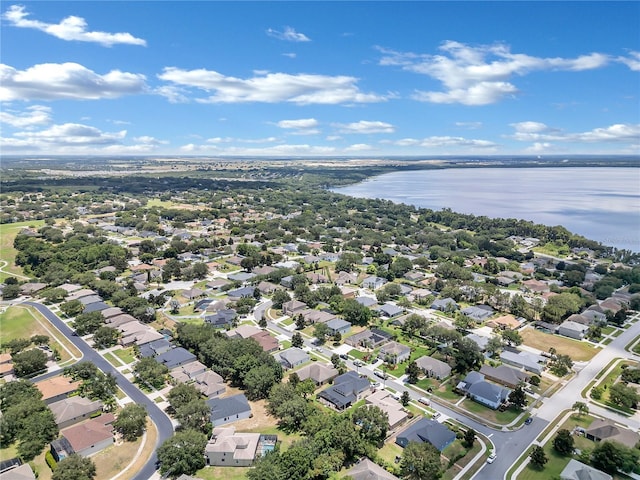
[159,418]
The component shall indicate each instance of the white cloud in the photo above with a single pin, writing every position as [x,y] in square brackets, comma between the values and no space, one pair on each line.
[364,126]
[358,147]
[72,134]
[300,123]
[541,133]
[218,140]
[283,149]
[289,55]
[445,141]
[632,61]
[333,138]
[31,117]
[150,141]
[303,89]
[69,28]
[289,34]
[53,81]
[480,75]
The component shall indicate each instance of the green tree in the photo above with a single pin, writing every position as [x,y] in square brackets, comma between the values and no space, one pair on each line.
[259,380]
[611,456]
[29,362]
[581,407]
[512,337]
[182,394]
[182,454]
[538,457]
[320,331]
[195,415]
[372,423]
[563,442]
[355,313]
[405,398]
[623,395]
[561,364]
[469,437]
[105,337]
[72,308]
[468,356]
[297,340]
[131,421]
[494,346]
[87,323]
[421,461]
[150,372]
[518,397]
[288,406]
[75,467]
[413,372]
[279,297]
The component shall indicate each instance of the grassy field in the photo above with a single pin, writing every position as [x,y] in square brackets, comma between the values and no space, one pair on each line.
[577,350]
[495,416]
[8,232]
[24,322]
[126,355]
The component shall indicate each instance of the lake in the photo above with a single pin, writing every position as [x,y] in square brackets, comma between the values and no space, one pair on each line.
[601,204]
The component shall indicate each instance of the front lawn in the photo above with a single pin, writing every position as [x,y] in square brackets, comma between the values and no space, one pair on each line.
[126,355]
[495,416]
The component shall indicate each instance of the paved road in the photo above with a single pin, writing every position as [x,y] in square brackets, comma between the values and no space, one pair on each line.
[161,420]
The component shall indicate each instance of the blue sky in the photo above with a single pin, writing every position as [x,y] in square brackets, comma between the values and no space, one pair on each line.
[320,78]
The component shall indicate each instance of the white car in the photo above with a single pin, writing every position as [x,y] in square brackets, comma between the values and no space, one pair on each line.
[492,457]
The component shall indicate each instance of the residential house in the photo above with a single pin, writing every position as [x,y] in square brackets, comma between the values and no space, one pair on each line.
[72,410]
[579,318]
[222,318]
[317,316]
[118,320]
[504,375]
[155,348]
[95,307]
[367,301]
[293,307]
[228,448]
[266,341]
[346,278]
[427,430]
[433,368]
[175,357]
[504,322]
[535,286]
[369,338]
[292,357]
[243,331]
[19,472]
[31,287]
[394,352]
[6,364]
[229,409]
[478,389]
[576,470]
[346,390]
[202,304]
[373,282]
[530,362]
[267,288]
[217,283]
[185,373]
[445,305]
[479,313]
[316,278]
[573,330]
[56,388]
[383,399]
[209,383]
[264,270]
[243,292]
[390,310]
[318,372]
[86,438]
[604,429]
[241,277]
[338,325]
[111,312]
[479,340]
[365,469]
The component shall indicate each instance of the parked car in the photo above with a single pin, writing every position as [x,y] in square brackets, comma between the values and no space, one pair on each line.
[424,400]
[528,421]
[380,373]
[358,363]
[344,356]
[435,415]
[492,457]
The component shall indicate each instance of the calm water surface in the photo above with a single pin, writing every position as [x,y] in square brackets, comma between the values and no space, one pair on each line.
[602,204]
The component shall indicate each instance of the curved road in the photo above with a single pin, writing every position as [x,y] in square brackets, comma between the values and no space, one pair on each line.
[161,420]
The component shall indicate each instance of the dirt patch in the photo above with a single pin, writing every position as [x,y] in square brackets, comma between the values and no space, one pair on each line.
[260,420]
[115,459]
[577,350]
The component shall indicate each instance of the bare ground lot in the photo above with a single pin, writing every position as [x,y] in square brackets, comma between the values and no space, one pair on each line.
[577,350]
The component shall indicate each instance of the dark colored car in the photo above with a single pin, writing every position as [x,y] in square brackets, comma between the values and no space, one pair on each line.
[528,421]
